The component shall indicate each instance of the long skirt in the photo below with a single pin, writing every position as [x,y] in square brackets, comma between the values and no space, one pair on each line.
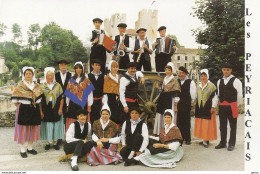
[52,131]
[25,133]
[104,156]
[206,129]
[164,160]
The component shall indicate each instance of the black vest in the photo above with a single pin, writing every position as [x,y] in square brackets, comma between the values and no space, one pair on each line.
[129,135]
[126,42]
[132,88]
[227,92]
[78,133]
[94,34]
[98,84]
[146,54]
[185,98]
[58,79]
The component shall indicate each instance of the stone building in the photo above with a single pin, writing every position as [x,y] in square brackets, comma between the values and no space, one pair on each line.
[110,25]
[186,57]
[3,67]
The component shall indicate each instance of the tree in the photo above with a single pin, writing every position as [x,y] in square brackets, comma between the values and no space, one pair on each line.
[3,27]
[34,34]
[223,33]
[78,51]
[15,72]
[175,38]
[17,33]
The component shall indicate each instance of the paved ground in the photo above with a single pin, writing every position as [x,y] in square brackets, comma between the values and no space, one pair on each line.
[196,157]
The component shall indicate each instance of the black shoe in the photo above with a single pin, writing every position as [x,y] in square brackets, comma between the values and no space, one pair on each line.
[220,146]
[56,147]
[23,154]
[75,168]
[59,141]
[128,162]
[34,152]
[231,148]
[201,143]
[135,162]
[47,147]
[188,142]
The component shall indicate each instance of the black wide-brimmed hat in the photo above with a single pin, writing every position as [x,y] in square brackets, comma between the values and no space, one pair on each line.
[97,19]
[141,29]
[96,61]
[135,109]
[226,65]
[131,64]
[161,28]
[184,69]
[82,111]
[123,25]
[62,61]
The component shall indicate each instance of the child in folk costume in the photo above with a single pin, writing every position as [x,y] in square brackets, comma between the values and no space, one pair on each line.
[77,138]
[52,126]
[134,137]
[79,93]
[27,97]
[168,99]
[165,150]
[205,110]
[105,135]
[97,79]
[111,92]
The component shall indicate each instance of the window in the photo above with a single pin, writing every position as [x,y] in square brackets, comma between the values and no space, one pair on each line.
[186,57]
[179,58]
[185,65]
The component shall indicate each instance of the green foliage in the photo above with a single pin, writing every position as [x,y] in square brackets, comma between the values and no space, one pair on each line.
[17,33]
[223,33]
[3,27]
[15,72]
[175,38]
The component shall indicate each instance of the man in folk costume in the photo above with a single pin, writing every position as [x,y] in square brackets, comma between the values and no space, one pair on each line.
[128,89]
[98,51]
[187,97]
[142,46]
[97,79]
[126,46]
[62,77]
[27,97]
[78,143]
[134,137]
[163,49]
[230,97]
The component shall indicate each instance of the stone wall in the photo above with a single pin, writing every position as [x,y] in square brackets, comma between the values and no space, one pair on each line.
[7,111]
[7,118]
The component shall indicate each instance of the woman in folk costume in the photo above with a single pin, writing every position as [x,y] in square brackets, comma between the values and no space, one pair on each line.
[168,99]
[78,94]
[205,110]
[27,97]
[105,134]
[165,150]
[77,139]
[111,92]
[52,126]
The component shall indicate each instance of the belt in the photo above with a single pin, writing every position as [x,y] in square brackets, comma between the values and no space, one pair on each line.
[233,105]
[97,98]
[131,100]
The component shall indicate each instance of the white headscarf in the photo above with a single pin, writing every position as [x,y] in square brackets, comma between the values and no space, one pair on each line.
[104,125]
[171,65]
[206,71]
[49,69]
[109,65]
[80,63]
[166,126]
[166,78]
[31,68]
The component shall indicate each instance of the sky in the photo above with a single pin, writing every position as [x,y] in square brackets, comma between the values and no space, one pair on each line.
[77,15]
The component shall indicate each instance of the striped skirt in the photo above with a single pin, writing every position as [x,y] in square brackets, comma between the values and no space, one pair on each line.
[52,131]
[161,160]
[104,156]
[25,133]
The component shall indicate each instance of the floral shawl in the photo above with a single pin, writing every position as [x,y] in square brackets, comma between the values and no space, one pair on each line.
[55,92]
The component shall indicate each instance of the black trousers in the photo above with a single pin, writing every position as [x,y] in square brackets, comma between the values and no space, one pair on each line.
[126,116]
[161,61]
[79,148]
[98,52]
[135,146]
[183,121]
[145,63]
[225,114]
[95,110]
[123,61]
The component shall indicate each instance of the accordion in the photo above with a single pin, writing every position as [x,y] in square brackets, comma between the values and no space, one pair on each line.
[106,41]
[169,43]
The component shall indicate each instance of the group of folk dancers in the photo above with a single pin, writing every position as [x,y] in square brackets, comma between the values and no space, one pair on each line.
[101,110]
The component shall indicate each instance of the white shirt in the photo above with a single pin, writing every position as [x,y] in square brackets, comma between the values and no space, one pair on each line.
[90,96]
[88,42]
[71,132]
[125,82]
[237,85]
[193,89]
[144,134]
[114,140]
[141,43]
[128,49]
[63,77]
